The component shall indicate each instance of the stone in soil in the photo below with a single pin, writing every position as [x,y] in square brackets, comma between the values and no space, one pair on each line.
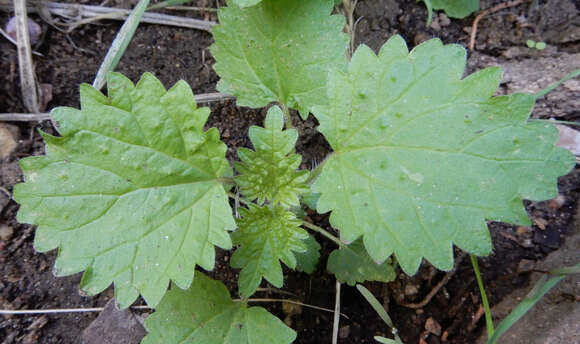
[114,326]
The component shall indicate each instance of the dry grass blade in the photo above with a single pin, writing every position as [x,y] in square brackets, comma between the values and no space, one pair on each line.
[336,321]
[27,78]
[30,117]
[24,117]
[85,14]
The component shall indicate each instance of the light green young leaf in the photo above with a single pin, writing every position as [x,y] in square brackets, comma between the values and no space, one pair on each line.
[352,264]
[307,261]
[269,173]
[422,158]
[266,235]
[130,193]
[206,314]
[456,8]
[278,50]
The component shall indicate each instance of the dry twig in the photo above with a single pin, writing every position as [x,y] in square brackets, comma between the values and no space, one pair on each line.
[84,14]
[439,285]
[485,12]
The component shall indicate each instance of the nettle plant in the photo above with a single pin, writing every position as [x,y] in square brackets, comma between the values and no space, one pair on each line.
[136,193]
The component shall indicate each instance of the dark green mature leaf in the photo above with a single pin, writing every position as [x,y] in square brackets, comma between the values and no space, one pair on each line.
[422,158]
[352,264]
[206,314]
[266,235]
[278,50]
[130,192]
[269,172]
[307,261]
[456,8]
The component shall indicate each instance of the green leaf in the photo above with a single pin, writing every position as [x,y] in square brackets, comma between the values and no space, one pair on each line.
[206,314]
[246,3]
[269,172]
[266,235]
[131,191]
[352,264]
[456,8]
[278,50]
[310,200]
[418,167]
[307,261]
[384,340]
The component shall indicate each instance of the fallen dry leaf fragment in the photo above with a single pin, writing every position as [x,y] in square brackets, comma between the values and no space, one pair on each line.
[7,140]
[541,223]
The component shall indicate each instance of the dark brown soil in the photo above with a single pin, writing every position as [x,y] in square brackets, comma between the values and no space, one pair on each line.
[26,280]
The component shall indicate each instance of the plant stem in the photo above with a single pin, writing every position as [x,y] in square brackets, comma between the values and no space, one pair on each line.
[306,224]
[488,320]
[323,232]
[287,118]
[292,302]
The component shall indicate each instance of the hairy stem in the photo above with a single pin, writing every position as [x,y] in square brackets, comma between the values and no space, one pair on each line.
[287,118]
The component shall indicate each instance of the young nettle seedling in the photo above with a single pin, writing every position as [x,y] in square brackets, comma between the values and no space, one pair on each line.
[135,191]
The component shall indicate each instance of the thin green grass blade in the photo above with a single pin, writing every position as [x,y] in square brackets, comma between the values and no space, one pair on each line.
[384,340]
[551,87]
[554,121]
[544,284]
[120,44]
[372,300]
[488,319]
[167,3]
[429,11]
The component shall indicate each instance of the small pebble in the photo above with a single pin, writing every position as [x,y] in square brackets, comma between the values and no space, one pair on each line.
[34,30]
[557,202]
[411,289]
[433,326]
[526,265]
[541,223]
[7,140]
[6,232]
[444,19]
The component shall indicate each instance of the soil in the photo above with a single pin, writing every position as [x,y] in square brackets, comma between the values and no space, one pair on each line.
[26,279]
